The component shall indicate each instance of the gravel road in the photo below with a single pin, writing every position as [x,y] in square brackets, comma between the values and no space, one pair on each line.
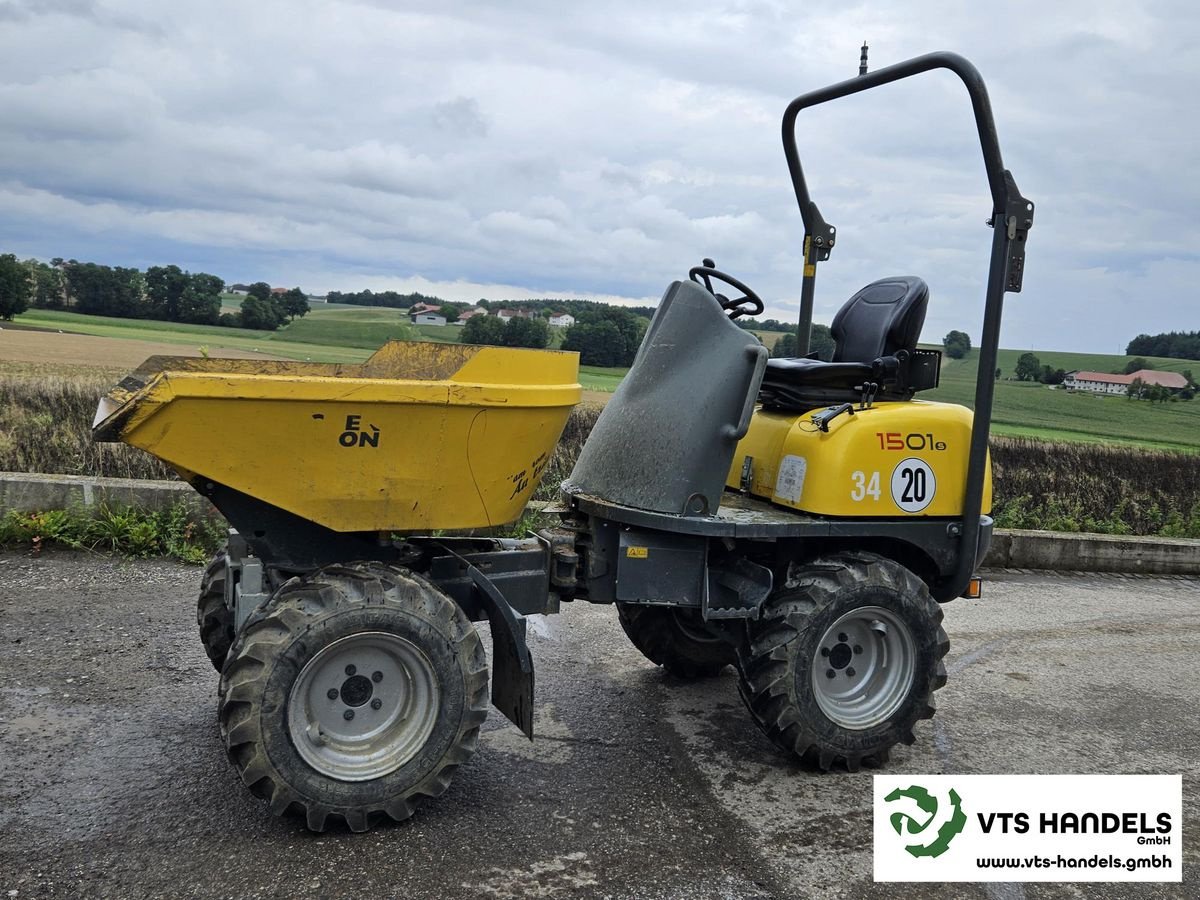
[115,784]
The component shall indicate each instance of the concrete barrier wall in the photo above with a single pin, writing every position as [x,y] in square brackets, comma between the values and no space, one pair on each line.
[1067,552]
[1055,550]
[36,493]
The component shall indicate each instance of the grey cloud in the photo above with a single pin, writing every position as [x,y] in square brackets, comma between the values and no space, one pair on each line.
[603,150]
[461,117]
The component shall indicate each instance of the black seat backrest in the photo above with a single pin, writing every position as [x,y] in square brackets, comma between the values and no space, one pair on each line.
[884,317]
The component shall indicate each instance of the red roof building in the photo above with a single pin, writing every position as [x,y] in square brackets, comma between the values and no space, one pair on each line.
[1108,383]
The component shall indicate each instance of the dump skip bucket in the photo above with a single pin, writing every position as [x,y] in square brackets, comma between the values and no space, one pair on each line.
[421,436]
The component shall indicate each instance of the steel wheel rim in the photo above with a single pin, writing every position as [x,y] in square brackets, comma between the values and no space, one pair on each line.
[389,688]
[871,654]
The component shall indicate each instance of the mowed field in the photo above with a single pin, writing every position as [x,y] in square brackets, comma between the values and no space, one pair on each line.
[41,350]
[330,336]
[342,333]
[1027,409]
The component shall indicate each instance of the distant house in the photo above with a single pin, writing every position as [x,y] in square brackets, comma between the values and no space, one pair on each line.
[505,314]
[1106,383]
[240,289]
[278,291]
[562,319]
[423,308]
[468,314]
[428,318]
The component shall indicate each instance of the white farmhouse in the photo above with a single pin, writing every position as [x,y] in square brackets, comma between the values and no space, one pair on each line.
[505,314]
[1107,383]
[428,318]
[562,319]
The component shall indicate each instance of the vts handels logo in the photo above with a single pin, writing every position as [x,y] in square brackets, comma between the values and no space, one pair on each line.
[920,813]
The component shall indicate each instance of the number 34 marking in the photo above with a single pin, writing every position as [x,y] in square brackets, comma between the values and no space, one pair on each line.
[864,486]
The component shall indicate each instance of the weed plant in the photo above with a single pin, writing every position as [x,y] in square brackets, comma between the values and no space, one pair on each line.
[177,532]
[1095,487]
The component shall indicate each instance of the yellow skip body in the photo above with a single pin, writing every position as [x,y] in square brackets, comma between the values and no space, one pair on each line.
[893,459]
[421,436]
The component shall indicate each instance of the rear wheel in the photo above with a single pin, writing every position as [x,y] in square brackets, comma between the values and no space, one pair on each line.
[676,639]
[354,694]
[844,662]
[213,617]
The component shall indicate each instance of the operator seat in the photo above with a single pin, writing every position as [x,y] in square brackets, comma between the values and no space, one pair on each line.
[875,336]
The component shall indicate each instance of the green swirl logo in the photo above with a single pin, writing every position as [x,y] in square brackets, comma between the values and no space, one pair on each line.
[920,815]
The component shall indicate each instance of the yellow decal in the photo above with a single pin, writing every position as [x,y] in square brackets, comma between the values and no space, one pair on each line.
[810,271]
[637,552]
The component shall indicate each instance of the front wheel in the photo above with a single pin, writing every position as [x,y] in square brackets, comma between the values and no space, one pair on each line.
[844,661]
[356,692]
[213,617]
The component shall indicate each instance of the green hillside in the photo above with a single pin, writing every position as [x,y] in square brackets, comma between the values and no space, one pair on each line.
[1027,409]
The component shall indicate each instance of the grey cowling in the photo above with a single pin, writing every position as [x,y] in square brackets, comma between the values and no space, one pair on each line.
[666,439]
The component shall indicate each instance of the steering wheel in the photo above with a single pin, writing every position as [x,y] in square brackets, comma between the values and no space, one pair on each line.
[749,304]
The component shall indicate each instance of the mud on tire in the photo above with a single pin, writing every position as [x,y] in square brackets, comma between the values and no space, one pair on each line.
[419,700]
[674,640]
[855,615]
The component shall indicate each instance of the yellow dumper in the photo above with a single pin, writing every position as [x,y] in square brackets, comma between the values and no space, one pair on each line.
[802,519]
[421,436]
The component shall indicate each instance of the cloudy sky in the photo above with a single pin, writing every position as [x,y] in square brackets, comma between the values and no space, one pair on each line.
[530,148]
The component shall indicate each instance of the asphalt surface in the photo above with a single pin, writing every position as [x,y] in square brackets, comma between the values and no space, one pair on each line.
[113,782]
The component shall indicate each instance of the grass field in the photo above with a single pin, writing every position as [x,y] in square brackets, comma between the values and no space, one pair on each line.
[595,378]
[1027,409]
[327,336]
[767,337]
[341,333]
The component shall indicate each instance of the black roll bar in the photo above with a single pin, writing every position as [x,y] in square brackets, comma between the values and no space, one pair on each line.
[1011,219]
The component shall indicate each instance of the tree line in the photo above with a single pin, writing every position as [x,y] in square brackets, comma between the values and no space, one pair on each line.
[602,335]
[1173,345]
[165,293]
[389,299]
[1030,368]
[516,332]
[820,342]
[265,309]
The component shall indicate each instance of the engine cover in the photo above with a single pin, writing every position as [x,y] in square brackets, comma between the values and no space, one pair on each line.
[891,460]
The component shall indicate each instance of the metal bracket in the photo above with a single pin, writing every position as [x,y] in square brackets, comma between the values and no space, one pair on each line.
[248,593]
[1018,219]
[822,234]
[747,480]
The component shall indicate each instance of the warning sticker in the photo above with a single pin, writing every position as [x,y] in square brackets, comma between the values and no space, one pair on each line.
[637,552]
[789,484]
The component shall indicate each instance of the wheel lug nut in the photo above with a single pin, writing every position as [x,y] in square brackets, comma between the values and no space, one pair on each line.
[824,651]
[377,677]
[857,648]
[829,673]
[850,672]
[332,693]
[350,670]
[842,637]
[348,715]
[376,703]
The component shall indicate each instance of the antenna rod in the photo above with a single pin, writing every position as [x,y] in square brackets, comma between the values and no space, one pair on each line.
[862,60]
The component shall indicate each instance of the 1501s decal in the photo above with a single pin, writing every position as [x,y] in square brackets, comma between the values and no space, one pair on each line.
[895,440]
